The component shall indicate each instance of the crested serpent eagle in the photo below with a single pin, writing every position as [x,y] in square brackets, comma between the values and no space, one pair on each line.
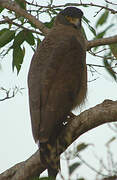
[57,82]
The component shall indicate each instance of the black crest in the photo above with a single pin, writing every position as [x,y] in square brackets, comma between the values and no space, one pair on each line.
[72,12]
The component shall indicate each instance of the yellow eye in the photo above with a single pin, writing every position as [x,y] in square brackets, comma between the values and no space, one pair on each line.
[74,21]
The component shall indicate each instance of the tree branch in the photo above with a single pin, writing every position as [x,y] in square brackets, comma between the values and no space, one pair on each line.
[110,178]
[75,4]
[10,93]
[102,41]
[103,113]
[10,21]
[87,4]
[8,4]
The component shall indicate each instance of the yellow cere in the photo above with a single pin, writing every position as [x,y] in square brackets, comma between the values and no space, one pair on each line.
[73,20]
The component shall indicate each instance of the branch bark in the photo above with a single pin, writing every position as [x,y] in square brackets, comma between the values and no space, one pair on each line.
[110,178]
[103,113]
[100,42]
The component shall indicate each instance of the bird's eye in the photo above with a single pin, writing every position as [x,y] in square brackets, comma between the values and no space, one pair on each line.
[70,19]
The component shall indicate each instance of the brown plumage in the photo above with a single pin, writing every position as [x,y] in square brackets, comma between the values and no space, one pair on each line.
[57,81]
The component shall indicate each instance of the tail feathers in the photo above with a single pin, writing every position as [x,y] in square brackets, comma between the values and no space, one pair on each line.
[52,171]
[50,159]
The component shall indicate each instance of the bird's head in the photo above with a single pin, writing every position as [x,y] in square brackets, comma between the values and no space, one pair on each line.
[70,16]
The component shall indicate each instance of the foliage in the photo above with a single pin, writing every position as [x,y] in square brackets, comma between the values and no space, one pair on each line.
[82,146]
[21,3]
[43,178]
[103,18]
[112,49]
[89,26]
[73,167]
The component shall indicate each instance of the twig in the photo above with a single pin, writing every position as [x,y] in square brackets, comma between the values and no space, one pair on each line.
[102,57]
[10,94]
[110,2]
[101,50]
[10,21]
[98,12]
[100,42]
[75,4]
[86,4]
[11,5]
[97,65]
[89,166]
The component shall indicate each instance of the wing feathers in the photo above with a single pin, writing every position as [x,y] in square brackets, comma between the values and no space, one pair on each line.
[53,84]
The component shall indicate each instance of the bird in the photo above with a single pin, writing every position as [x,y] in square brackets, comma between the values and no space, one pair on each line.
[57,83]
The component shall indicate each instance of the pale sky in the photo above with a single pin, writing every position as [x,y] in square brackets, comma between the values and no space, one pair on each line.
[16,141]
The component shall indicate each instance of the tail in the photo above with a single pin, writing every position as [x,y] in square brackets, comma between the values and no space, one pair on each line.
[52,172]
[50,158]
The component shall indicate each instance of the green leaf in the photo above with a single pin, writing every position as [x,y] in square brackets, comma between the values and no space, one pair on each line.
[101,34]
[50,24]
[113,48]
[73,167]
[83,31]
[6,36]
[46,178]
[1,9]
[3,30]
[109,68]
[10,25]
[22,36]
[29,38]
[19,39]
[18,55]
[90,27]
[82,146]
[21,19]
[51,1]
[37,178]
[110,141]
[33,25]
[92,30]
[21,3]
[86,20]
[38,41]
[103,18]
